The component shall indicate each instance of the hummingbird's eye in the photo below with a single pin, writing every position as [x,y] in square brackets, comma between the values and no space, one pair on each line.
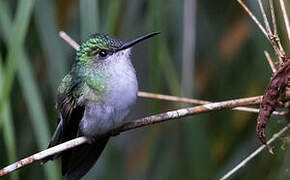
[103,53]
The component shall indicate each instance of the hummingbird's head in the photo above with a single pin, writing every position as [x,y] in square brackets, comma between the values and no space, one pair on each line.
[100,47]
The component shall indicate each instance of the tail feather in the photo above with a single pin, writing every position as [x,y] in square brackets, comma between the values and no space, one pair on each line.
[78,161]
[55,140]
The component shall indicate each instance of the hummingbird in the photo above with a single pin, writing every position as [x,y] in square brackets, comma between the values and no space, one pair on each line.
[94,98]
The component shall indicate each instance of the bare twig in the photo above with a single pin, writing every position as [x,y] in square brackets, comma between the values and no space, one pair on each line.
[43,154]
[273,17]
[274,40]
[146,121]
[286,20]
[69,40]
[270,61]
[265,19]
[255,153]
[253,17]
[171,98]
[196,101]
[256,110]
[275,35]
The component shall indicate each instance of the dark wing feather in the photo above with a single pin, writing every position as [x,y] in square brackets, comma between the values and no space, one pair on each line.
[75,162]
[70,114]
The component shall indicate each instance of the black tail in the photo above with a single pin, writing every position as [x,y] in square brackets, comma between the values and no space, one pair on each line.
[79,160]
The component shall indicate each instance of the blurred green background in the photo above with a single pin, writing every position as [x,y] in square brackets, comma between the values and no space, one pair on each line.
[207,49]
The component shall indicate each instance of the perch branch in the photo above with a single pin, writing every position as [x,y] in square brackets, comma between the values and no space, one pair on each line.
[146,121]
[255,153]
[196,101]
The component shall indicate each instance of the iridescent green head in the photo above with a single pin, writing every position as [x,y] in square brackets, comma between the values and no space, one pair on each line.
[101,46]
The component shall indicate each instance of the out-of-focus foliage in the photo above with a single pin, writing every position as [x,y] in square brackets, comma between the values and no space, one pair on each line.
[226,62]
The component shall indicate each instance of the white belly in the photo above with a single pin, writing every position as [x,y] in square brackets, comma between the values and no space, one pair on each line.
[102,116]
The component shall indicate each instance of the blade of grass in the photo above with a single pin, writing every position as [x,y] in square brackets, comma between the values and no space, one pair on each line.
[5,17]
[1,72]
[35,106]
[8,129]
[286,19]
[188,48]
[15,42]
[89,18]
[197,157]
[160,64]
[46,25]
[32,96]
[154,64]
[168,68]
[112,15]
[9,136]
[159,55]
[36,110]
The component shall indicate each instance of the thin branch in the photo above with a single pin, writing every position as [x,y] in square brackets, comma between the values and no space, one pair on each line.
[253,17]
[265,19]
[146,121]
[255,153]
[69,40]
[273,17]
[286,20]
[43,154]
[281,49]
[196,101]
[275,35]
[255,110]
[171,98]
[270,61]
[274,40]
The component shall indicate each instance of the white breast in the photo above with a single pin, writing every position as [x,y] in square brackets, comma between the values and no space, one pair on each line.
[121,92]
[123,86]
